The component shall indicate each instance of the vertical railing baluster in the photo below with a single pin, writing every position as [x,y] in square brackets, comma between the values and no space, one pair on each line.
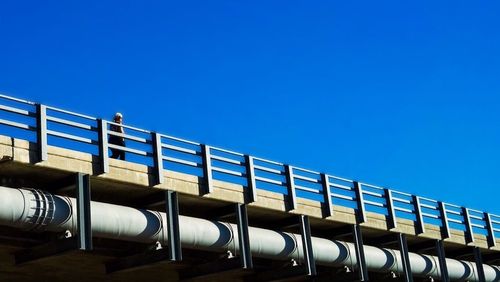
[327,195]
[391,214]
[290,185]
[491,233]
[251,184]
[360,202]
[469,234]
[420,226]
[41,130]
[157,157]
[102,128]
[444,221]
[207,169]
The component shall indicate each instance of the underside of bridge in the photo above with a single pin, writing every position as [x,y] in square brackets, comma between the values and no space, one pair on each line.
[55,256]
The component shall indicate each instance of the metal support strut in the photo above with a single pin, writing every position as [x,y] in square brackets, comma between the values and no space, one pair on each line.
[83,210]
[174,238]
[479,264]
[360,253]
[403,247]
[243,236]
[442,260]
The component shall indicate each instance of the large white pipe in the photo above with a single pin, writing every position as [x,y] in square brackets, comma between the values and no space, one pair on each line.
[36,210]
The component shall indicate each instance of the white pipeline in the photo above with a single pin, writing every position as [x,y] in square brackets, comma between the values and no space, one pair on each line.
[36,210]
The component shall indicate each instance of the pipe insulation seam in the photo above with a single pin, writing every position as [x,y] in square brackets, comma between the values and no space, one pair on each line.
[130,224]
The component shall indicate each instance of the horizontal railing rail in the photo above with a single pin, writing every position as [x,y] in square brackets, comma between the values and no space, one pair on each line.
[46,125]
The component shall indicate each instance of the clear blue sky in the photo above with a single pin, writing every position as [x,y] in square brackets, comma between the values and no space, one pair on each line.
[398,94]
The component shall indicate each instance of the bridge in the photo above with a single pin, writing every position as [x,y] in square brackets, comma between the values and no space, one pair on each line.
[182,210]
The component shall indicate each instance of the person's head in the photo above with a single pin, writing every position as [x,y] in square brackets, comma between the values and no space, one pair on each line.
[118,118]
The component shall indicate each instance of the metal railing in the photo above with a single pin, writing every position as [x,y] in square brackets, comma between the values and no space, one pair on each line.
[46,126]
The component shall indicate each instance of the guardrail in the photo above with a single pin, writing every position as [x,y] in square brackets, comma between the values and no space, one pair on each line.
[45,125]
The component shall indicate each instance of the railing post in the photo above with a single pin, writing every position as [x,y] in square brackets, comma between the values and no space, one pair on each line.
[361,214]
[83,210]
[444,219]
[469,235]
[420,226]
[102,127]
[327,196]
[491,233]
[157,157]
[41,130]
[251,184]
[290,185]
[391,214]
[207,169]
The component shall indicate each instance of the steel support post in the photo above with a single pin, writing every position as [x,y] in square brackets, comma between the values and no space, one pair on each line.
[173,234]
[103,145]
[442,260]
[157,158]
[83,211]
[491,233]
[479,264]
[391,214]
[445,229]
[419,220]
[41,132]
[360,212]
[403,247]
[290,185]
[360,253]
[243,236]
[327,196]
[305,231]
[251,184]
[207,169]
[469,235]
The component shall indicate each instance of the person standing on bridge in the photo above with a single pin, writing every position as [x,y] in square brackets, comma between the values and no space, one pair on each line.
[117,140]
